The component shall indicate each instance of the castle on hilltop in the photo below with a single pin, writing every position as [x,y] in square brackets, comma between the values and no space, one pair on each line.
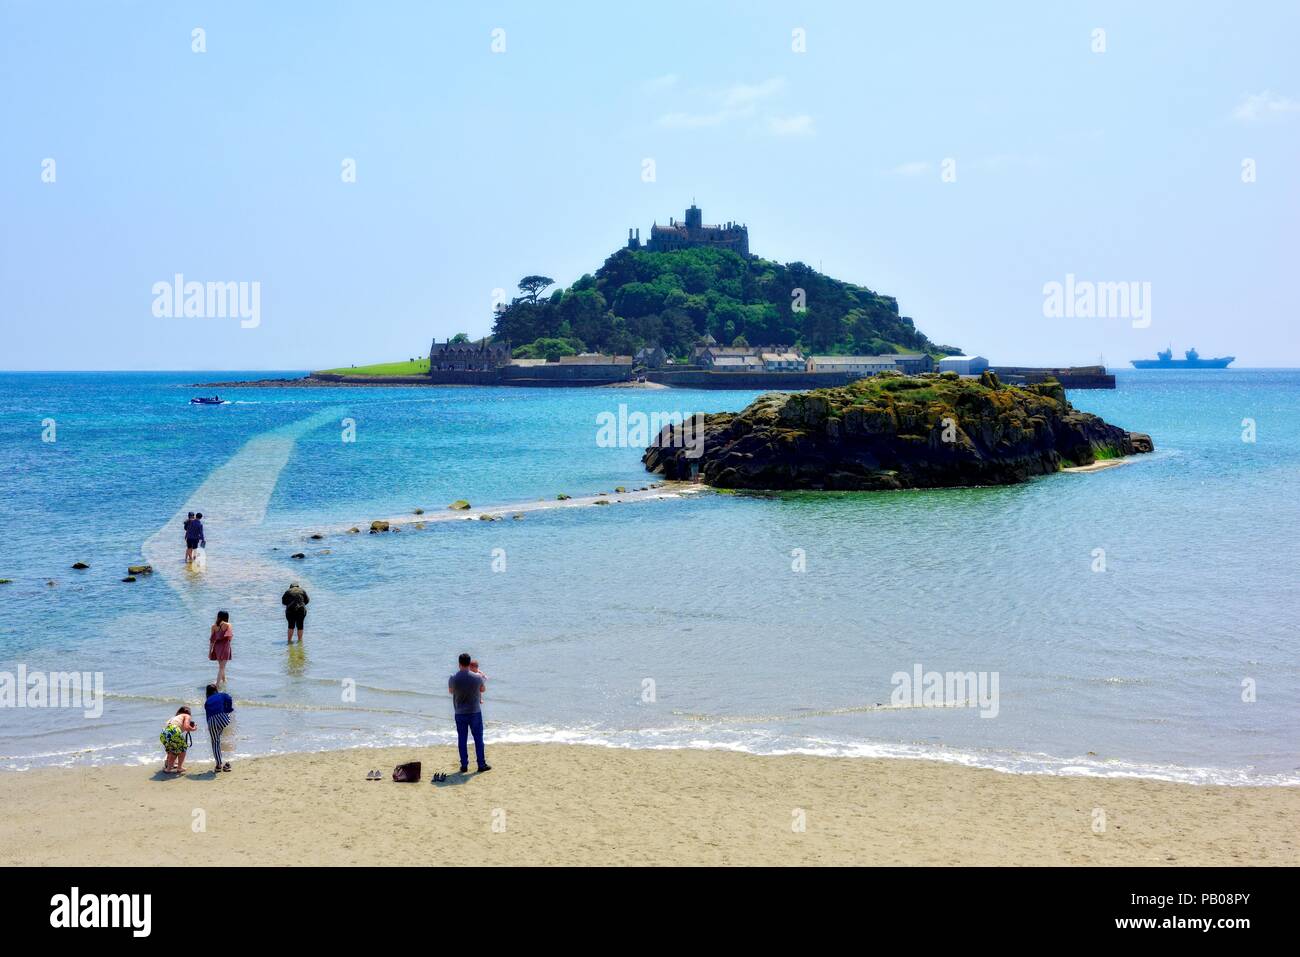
[690,232]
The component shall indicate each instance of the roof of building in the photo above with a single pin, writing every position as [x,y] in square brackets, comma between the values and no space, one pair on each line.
[592,359]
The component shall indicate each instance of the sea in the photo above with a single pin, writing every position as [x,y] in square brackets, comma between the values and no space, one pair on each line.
[1139,621]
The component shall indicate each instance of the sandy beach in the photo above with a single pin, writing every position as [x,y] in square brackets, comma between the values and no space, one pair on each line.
[582,805]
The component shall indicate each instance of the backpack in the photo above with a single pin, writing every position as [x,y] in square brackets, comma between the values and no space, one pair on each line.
[409,772]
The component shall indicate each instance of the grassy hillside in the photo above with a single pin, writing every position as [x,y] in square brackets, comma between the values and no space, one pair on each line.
[673,299]
[418,367]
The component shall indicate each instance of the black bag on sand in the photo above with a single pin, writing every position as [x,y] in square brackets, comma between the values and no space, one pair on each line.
[409,772]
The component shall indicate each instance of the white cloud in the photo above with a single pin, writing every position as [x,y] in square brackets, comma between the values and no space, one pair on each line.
[739,101]
[665,82]
[741,96]
[1000,162]
[1258,106]
[801,125]
[693,121]
[914,168]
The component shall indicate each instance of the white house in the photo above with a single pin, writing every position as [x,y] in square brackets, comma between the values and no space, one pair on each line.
[863,365]
[963,365]
[782,362]
[736,364]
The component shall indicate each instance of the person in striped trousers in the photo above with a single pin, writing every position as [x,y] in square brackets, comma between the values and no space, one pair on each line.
[218,708]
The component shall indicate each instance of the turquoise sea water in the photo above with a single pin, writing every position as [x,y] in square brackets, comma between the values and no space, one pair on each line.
[1137,669]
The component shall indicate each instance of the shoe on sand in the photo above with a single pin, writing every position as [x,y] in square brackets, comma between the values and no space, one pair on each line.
[464,769]
[484,767]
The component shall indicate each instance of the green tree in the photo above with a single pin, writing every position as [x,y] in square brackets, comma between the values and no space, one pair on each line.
[532,286]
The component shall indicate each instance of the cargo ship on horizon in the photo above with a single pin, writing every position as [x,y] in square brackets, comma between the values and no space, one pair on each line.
[1165,360]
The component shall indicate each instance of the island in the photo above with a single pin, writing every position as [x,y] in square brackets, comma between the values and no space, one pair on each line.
[891,431]
[691,307]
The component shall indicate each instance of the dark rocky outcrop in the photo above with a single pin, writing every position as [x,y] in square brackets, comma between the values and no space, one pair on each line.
[80,566]
[891,432]
[140,570]
[378,525]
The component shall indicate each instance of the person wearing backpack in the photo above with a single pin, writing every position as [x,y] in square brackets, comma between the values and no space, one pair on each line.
[295,602]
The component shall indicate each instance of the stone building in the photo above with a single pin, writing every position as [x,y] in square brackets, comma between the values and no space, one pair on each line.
[690,232]
[481,356]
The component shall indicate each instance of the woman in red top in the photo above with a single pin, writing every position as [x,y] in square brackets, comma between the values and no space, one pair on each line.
[219,644]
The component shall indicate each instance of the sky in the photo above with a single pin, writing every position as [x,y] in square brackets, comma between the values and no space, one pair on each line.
[960,157]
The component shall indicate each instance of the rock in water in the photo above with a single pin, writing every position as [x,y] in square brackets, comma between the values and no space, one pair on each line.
[890,431]
[297,555]
[1141,442]
[378,525]
[460,505]
[80,565]
[140,570]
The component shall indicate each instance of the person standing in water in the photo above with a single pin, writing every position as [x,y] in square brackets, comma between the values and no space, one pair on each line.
[194,536]
[295,602]
[189,552]
[219,641]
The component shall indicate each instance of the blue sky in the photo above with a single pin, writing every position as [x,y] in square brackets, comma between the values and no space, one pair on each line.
[475,167]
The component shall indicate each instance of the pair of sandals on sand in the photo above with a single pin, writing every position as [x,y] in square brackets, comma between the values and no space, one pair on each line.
[221,767]
[439,777]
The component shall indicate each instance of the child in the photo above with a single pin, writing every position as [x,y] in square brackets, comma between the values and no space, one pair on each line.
[473,666]
[174,740]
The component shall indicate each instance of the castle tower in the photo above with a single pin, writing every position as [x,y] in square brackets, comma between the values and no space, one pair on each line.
[694,217]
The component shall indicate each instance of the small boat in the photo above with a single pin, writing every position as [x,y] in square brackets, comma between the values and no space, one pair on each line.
[207,400]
